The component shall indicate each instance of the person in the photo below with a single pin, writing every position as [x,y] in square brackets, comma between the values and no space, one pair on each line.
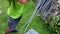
[14,14]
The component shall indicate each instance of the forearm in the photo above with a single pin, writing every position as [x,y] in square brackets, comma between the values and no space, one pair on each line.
[23,1]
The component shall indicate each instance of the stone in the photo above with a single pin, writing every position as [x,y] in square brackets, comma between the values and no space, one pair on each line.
[32,31]
[58,1]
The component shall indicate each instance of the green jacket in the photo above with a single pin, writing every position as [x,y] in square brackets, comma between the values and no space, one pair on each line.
[16,9]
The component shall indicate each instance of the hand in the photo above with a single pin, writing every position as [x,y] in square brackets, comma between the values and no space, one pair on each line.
[23,1]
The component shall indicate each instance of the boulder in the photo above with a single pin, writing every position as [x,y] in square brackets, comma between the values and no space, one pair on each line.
[32,31]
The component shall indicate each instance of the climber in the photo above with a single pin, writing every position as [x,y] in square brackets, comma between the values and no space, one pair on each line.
[14,14]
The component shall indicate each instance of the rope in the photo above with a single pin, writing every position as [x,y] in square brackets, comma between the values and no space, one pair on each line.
[31,17]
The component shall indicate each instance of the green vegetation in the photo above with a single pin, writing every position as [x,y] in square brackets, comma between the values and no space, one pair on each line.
[36,23]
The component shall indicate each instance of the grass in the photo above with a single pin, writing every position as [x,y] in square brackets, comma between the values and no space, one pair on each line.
[36,23]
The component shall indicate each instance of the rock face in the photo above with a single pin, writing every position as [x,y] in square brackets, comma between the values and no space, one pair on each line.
[0,11]
[32,31]
[58,1]
[54,10]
